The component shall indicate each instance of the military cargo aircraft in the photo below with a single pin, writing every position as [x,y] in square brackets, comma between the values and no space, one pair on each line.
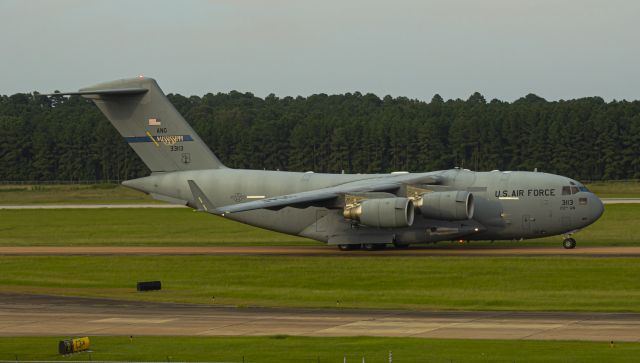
[351,211]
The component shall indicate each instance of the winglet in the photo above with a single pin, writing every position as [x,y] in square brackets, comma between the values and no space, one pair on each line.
[200,200]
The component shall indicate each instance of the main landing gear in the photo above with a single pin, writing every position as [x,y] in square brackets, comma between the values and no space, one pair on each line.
[569,243]
[373,246]
[366,246]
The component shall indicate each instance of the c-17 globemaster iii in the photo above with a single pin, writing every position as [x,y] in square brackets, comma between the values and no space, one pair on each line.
[350,211]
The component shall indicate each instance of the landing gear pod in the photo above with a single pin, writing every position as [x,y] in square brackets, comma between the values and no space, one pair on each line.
[454,205]
[382,213]
[74,345]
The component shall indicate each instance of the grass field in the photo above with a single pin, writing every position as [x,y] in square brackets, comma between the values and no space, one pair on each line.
[71,194]
[286,349]
[74,227]
[622,189]
[431,283]
[133,227]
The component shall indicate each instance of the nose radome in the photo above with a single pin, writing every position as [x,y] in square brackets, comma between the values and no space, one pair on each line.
[597,207]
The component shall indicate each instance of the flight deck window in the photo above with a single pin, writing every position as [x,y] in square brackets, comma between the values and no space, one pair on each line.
[574,190]
[583,189]
[566,190]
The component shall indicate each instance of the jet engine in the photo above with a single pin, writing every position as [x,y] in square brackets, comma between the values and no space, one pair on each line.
[382,212]
[453,205]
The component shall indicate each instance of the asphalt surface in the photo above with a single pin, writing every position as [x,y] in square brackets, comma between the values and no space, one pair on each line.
[438,250]
[43,315]
[620,200]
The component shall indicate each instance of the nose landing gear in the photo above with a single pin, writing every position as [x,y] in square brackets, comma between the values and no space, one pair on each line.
[569,243]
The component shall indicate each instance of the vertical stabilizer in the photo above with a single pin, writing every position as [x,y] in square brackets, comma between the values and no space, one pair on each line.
[143,115]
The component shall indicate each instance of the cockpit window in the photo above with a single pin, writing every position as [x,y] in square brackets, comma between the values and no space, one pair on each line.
[569,190]
[583,189]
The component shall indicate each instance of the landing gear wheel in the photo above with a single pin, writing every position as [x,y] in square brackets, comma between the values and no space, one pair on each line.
[373,246]
[569,243]
[349,247]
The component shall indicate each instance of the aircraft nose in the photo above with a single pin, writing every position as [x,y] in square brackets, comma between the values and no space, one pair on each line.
[597,208]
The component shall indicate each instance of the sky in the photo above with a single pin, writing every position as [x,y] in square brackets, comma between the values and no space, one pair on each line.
[503,49]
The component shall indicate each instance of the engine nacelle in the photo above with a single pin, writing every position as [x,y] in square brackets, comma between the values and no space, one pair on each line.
[454,205]
[382,212]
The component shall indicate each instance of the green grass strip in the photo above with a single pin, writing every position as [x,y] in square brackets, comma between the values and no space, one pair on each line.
[429,283]
[132,227]
[285,349]
[149,227]
[71,194]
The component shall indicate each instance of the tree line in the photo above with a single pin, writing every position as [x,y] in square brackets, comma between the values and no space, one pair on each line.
[61,138]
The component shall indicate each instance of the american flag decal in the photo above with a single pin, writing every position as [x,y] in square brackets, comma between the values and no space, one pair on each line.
[154,122]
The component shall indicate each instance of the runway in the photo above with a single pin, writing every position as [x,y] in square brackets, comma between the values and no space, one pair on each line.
[43,315]
[620,200]
[438,250]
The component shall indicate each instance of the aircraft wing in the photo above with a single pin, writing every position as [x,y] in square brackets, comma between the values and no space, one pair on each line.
[325,194]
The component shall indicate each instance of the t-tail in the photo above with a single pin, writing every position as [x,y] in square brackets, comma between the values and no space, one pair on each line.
[156,131]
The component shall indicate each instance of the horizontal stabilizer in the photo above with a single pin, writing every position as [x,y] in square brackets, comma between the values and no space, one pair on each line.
[102,92]
[152,127]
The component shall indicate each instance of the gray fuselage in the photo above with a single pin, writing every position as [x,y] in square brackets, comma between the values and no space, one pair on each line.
[347,210]
[508,205]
